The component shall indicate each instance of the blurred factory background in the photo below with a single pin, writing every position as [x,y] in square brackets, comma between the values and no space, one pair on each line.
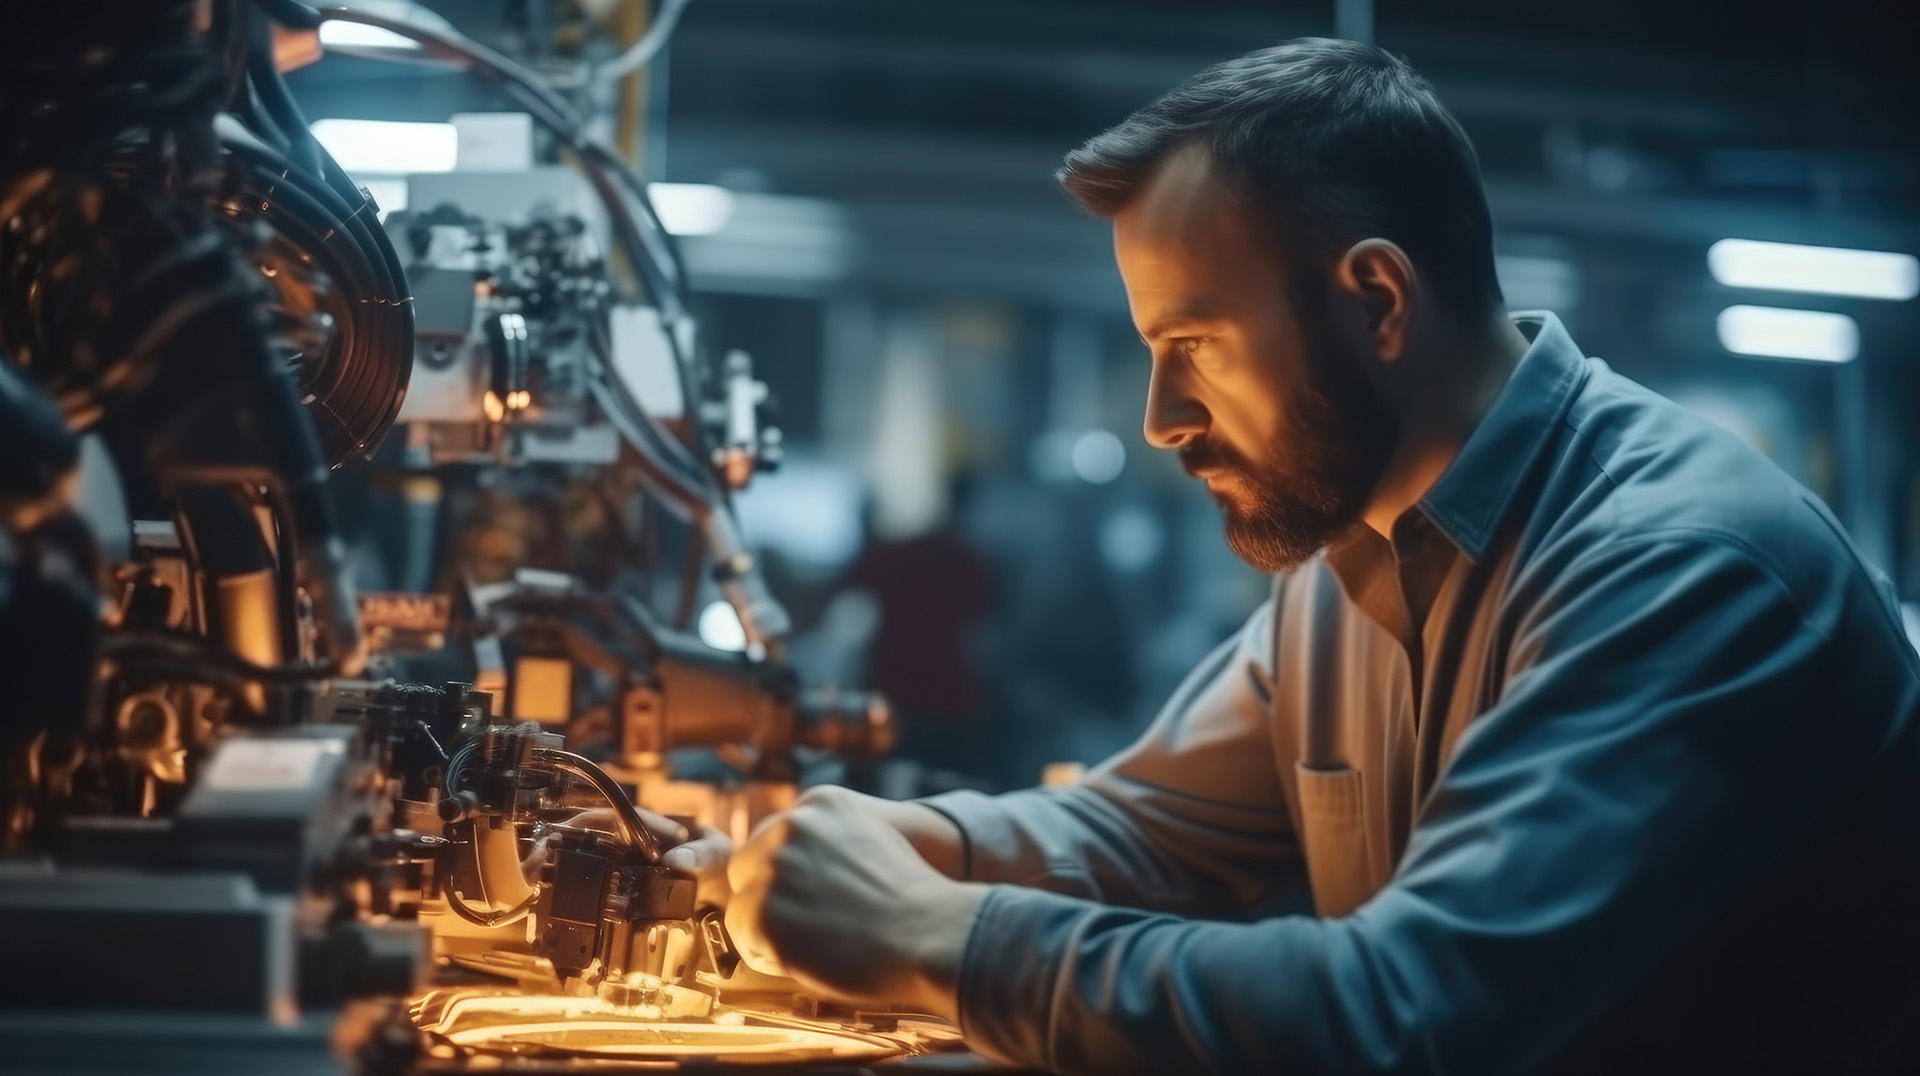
[967,516]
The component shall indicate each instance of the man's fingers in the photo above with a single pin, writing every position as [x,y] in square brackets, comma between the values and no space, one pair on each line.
[695,857]
[605,820]
[703,854]
[669,831]
[535,859]
[743,918]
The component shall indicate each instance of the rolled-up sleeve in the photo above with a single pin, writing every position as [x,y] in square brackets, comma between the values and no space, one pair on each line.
[1676,715]
[1191,818]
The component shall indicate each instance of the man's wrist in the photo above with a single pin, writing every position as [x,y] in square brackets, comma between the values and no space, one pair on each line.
[937,838]
[939,944]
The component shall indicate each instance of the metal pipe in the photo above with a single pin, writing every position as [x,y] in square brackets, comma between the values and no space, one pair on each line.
[635,831]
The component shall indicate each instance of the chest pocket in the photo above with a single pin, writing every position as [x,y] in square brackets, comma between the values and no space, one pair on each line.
[1334,837]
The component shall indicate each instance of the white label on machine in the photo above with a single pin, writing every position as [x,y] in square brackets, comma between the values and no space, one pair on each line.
[266,765]
[644,361]
[493,141]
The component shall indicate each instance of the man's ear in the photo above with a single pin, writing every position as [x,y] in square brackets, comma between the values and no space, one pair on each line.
[1378,276]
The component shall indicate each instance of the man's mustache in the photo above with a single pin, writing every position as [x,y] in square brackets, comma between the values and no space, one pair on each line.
[1200,457]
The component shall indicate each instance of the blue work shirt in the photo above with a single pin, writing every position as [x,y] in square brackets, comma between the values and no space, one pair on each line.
[1607,761]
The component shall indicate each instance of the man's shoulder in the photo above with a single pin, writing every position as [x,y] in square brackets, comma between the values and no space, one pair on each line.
[1634,468]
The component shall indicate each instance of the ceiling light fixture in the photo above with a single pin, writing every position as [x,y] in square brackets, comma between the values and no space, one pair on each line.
[1774,333]
[1865,274]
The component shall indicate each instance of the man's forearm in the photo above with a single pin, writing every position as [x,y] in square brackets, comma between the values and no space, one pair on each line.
[1191,819]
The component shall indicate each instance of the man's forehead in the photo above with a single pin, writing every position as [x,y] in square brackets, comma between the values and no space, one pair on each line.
[1181,193]
[1184,199]
[1187,234]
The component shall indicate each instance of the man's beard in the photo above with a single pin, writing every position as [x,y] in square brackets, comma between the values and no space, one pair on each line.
[1280,510]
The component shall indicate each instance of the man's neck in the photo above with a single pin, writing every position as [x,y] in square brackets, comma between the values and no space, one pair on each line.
[1462,381]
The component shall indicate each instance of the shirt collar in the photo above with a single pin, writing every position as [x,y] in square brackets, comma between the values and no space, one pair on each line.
[1475,492]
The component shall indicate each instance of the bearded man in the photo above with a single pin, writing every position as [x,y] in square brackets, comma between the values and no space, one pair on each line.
[1575,735]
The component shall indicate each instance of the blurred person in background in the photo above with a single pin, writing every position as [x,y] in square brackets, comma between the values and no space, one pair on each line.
[932,592]
[1575,736]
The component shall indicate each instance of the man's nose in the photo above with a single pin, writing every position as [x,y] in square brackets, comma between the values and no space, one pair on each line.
[1173,416]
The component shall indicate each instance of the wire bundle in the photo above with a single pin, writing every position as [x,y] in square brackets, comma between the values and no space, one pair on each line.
[354,382]
[135,306]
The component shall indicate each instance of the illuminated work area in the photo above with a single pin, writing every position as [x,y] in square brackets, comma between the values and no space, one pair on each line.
[1085,536]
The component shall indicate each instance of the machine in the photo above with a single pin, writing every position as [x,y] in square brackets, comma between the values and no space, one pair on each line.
[243,829]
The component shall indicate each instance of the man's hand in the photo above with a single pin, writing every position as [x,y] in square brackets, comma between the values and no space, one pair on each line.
[832,894]
[702,855]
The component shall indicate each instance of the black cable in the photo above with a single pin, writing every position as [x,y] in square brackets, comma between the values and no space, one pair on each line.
[351,210]
[193,651]
[636,832]
[420,725]
[691,564]
[357,392]
[159,668]
[280,105]
[252,112]
[232,27]
[643,434]
[456,769]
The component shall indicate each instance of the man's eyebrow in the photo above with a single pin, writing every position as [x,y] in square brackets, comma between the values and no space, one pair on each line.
[1166,323]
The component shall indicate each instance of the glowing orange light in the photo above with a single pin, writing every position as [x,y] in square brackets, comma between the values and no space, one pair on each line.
[509,1023]
[490,403]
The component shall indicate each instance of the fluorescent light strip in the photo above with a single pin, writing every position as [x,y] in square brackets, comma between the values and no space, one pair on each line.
[336,32]
[691,208]
[1773,333]
[1866,274]
[389,147]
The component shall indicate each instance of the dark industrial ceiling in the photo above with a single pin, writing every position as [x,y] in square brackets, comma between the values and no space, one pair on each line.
[903,151]
[1622,137]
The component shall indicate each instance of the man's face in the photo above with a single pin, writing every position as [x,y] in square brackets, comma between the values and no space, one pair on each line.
[1249,385]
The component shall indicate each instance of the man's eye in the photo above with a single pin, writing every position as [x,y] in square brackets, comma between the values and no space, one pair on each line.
[1189,346]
